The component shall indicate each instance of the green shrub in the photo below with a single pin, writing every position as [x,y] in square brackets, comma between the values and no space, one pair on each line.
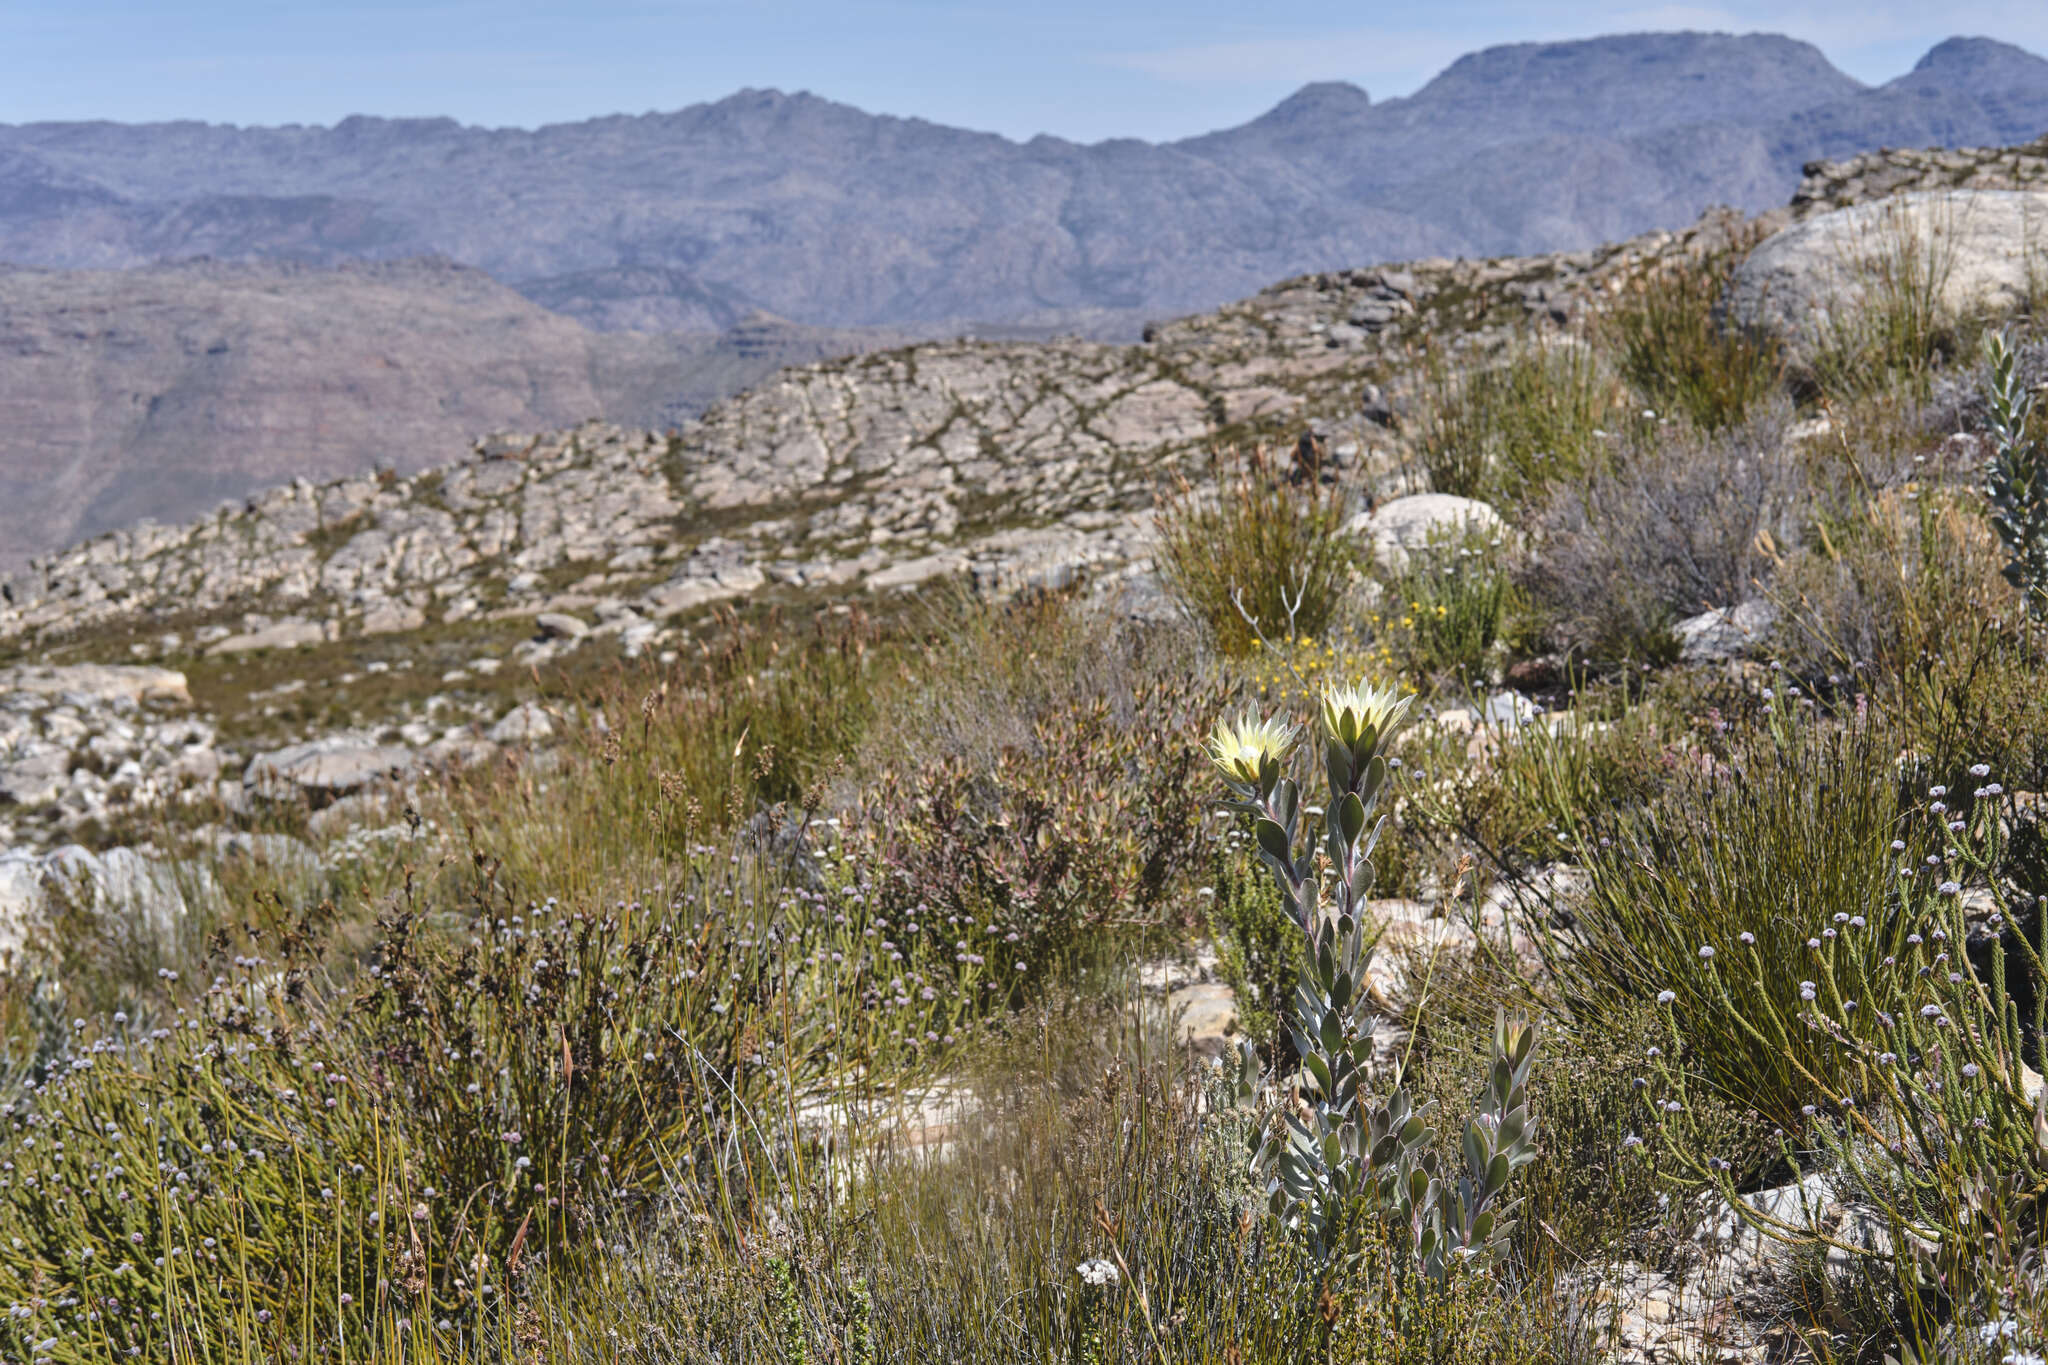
[2017,480]
[1603,1190]
[1445,611]
[1675,352]
[1266,542]
[1257,942]
[1910,1053]
[1762,844]
[1507,430]
[1888,585]
[1508,805]
[1083,833]
[266,1168]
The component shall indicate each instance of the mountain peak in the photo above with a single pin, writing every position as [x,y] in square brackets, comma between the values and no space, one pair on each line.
[1320,100]
[1980,60]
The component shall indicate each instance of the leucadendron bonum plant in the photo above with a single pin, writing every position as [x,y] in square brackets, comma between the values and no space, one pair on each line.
[2016,479]
[1333,1158]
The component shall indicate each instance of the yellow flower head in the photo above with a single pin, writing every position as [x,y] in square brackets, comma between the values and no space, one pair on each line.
[1239,746]
[1361,710]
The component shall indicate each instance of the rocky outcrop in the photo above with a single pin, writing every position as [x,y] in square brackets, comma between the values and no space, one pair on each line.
[1725,632]
[1894,170]
[95,737]
[1006,463]
[1974,252]
[155,393]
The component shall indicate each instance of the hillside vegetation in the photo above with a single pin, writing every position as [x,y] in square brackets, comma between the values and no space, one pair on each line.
[1549,868]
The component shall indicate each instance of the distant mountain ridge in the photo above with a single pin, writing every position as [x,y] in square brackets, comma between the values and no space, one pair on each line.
[158,392]
[827,215]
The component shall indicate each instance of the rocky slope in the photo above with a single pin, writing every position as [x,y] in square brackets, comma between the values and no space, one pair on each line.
[318,639]
[158,392]
[822,213]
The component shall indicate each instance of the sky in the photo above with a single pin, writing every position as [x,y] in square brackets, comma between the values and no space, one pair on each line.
[1080,69]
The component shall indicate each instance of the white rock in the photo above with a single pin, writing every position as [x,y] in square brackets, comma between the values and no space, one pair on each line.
[526,723]
[104,684]
[389,618]
[560,625]
[1398,528]
[36,779]
[1982,249]
[325,768]
[283,635]
[1206,1015]
[1725,632]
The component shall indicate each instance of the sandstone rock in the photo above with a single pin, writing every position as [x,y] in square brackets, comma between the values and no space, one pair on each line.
[559,625]
[1206,1014]
[322,769]
[526,723]
[1508,708]
[141,891]
[21,896]
[1982,249]
[99,683]
[1398,528]
[346,813]
[1725,632]
[283,635]
[36,779]
[389,618]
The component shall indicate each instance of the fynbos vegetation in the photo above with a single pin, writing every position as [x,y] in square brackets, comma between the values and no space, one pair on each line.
[1608,928]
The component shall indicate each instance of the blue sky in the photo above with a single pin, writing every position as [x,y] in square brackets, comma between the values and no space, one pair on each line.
[1084,69]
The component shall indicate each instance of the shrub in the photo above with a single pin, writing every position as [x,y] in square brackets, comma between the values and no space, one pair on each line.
[1897,580]
[1773,838]
[1086,829]
[1506,431]
[1446,609]
[1090,1209]
[1674,528]
[1602,1192]
[1293,671]
[1675,352]
[299,1163]
[2017,480]
[1266,542]
[1910,1057]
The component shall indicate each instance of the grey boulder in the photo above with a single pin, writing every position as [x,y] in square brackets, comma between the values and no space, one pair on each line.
[322,769]
[1981,249]
[1725,632]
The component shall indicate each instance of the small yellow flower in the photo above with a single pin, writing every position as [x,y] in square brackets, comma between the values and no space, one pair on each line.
[1238,747]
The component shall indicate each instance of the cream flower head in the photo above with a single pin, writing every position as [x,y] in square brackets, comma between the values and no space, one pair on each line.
[1239,747]
[1361,711]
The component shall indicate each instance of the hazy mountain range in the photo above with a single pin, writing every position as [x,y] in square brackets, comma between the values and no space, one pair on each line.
[824,214]
[763,228]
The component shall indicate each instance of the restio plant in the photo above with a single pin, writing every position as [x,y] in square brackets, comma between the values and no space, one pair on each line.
[1264,552]
[1337,1163]
[1773,836]
[1680,357]
[1506,430]
[1916,1097]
